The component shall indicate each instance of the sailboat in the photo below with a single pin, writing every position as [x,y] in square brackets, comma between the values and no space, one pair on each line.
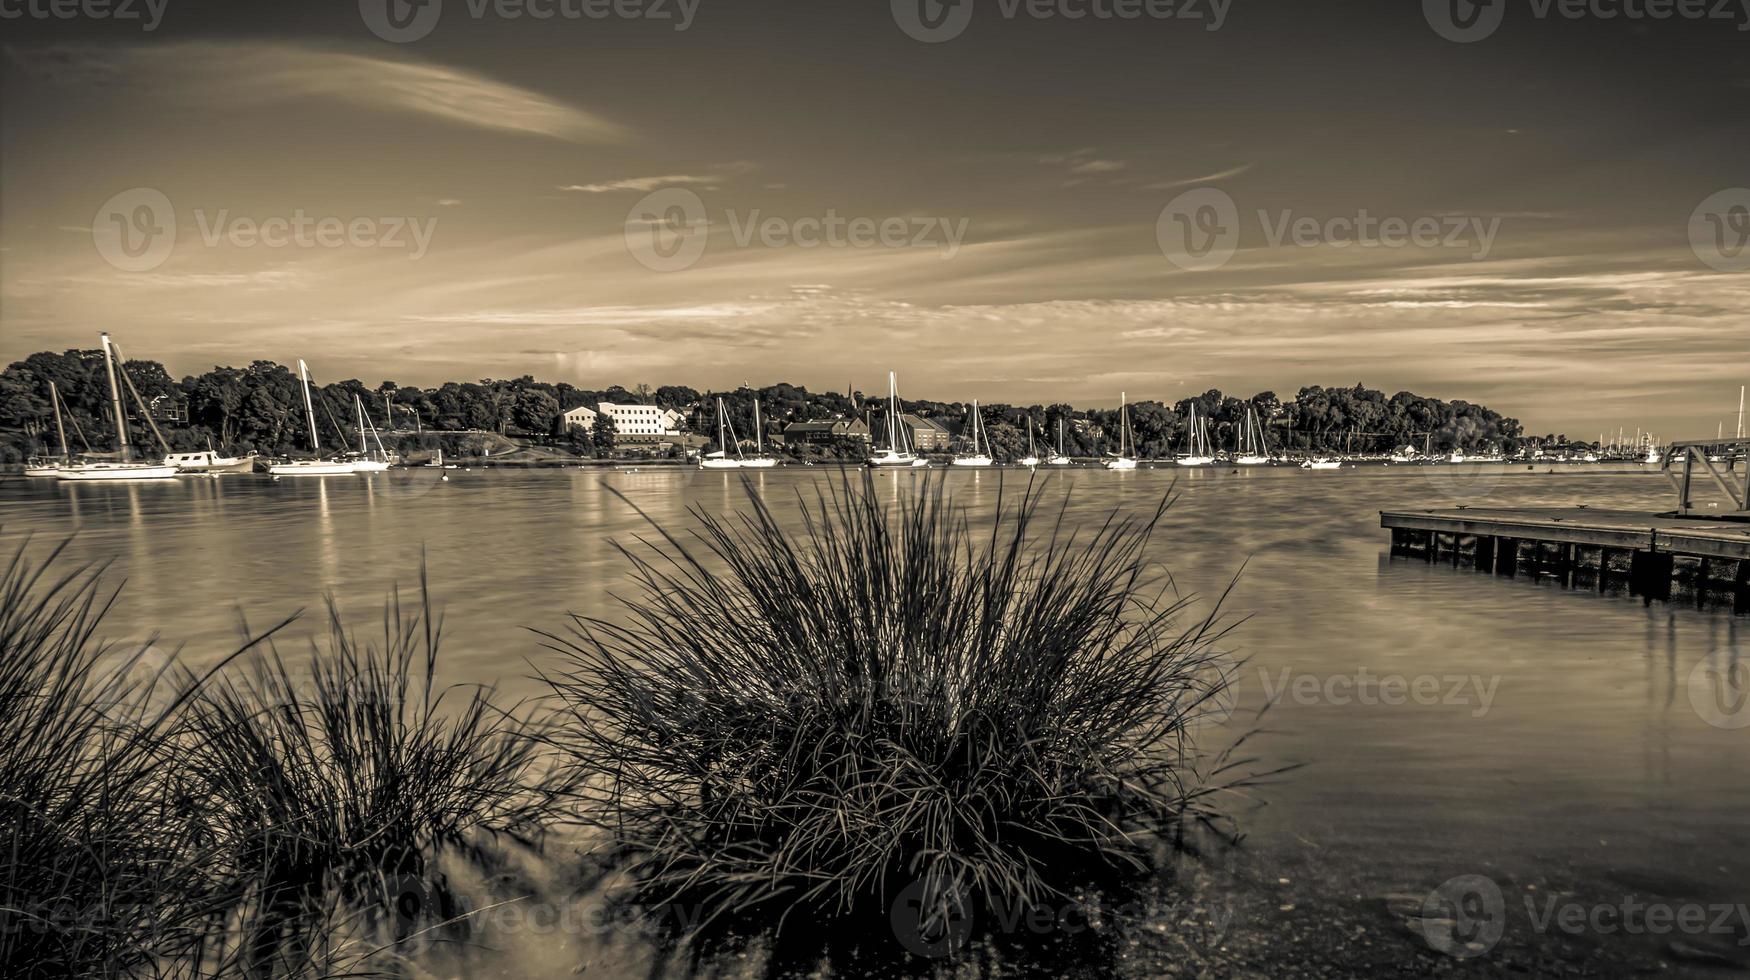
[125,469]
[48,468]
[1057,458]
[1032,458]
[726,441]
[759,460]
[1250,452]
[318,466]
[1123,460]
[898,452]
[979,456]
[1198,434]
[366,461]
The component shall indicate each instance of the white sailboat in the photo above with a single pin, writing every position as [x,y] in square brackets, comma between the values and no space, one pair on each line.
[1032,457]
[318,466]
[1057,458]
[367,462]
[898,451]
[759,460]
[1321,463]
[52,468]
[726,442]
[1251,451]
[980,455]
[126,469]
[1122,460]
[1198,434]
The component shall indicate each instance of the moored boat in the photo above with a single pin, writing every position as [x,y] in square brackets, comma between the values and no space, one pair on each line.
[898,450]
[1122,460]
[318,466]
[125,468]
[980,455]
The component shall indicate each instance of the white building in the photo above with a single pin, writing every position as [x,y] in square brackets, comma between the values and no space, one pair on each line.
[642,420]
[580,416]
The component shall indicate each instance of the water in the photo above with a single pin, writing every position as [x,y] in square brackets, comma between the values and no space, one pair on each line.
[1552,741]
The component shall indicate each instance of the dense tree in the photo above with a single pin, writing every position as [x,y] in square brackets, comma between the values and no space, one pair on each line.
[261,407]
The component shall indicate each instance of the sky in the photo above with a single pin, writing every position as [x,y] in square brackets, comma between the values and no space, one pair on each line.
[994,199]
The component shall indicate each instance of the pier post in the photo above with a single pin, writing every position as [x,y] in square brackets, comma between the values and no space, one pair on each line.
[1650,574]
[1483,558]
[1741,588]
[1506,556]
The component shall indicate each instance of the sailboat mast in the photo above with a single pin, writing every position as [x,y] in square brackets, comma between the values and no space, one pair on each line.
[759,443]
[115,401]
[60,427]
[309,406]
[364,448]
[1741,411]
[892,411]
[1123,421]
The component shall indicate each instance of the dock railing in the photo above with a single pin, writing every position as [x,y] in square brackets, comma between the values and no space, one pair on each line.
[1725,461]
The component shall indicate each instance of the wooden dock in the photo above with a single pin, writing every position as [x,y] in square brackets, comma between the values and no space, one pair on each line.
[1708,559]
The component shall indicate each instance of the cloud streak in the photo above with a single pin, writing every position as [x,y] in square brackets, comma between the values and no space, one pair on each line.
[229,74]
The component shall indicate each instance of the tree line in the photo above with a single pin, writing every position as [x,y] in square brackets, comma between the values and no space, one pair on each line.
[260,407]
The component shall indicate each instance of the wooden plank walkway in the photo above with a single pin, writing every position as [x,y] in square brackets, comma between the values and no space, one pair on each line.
[1704,555]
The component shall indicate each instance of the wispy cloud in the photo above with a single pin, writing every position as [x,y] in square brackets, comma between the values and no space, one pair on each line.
[639,183]
[249,74]
[1206,178]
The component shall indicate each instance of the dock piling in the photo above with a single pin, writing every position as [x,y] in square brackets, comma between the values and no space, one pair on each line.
[1653,549]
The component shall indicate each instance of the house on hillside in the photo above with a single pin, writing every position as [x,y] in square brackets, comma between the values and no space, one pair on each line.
[642,423]
[927,435]
[581,417]
[826,432]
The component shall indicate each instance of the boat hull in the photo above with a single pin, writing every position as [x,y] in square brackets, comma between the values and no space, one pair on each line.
[759,463]
[115,471]
[895,459]
[1196,461]
[974,461]
[1253,461]
[719,464]
[1121,464]
[49,472]
[321,467]
[242,465]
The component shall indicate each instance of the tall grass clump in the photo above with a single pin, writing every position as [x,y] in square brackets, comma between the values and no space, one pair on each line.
[102,860]
[807,727]
[339,787]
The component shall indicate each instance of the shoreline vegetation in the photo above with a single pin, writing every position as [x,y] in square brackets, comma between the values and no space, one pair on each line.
[833,746]
[259,408]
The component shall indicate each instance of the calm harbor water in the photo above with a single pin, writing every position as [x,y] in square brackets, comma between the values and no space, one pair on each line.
[1451,723]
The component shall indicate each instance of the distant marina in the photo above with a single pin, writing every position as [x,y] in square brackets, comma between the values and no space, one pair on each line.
[734,431]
